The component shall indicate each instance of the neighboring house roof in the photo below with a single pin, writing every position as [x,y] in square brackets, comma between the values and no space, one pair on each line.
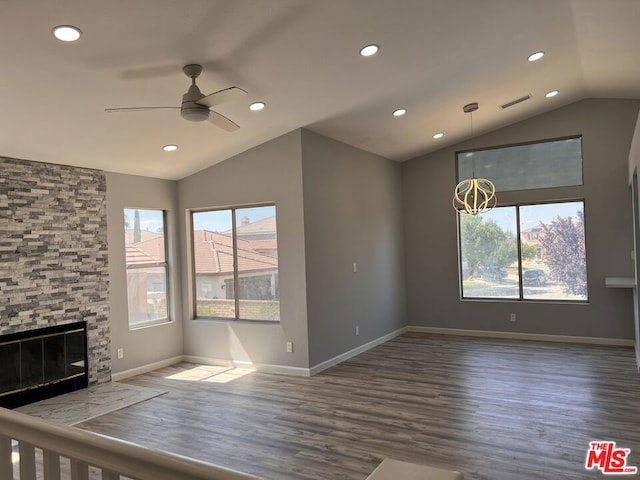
[535,229]
[213,253]
[135,255]
[264,246]
[150,249]
[144,235]
[266,225]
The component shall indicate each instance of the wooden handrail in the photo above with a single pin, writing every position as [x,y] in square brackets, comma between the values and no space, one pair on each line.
[118,456]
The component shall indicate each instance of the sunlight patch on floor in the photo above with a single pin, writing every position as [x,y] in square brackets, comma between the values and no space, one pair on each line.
[210,374]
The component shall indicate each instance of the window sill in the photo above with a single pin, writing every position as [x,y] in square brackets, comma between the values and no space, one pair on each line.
[150,323]
[236,321]
[526,301]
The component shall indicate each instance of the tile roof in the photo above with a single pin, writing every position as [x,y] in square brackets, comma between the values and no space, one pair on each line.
[266,225]
[213,253]
[135,255]
[144,235]
[152,247]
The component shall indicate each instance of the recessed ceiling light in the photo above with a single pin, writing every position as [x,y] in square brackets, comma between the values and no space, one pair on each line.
[399,112]
[170,148]
[254,107]
[369,50]
[552,93]
[438,135]
[535,56]
[66,33]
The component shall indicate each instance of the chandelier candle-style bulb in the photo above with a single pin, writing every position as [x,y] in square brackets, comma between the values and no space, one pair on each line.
[474,196]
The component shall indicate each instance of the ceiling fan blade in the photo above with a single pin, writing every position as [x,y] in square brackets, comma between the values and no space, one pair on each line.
[222,96]
[137,109]
[222,122]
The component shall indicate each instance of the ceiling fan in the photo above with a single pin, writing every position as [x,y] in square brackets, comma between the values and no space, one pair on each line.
[196,107]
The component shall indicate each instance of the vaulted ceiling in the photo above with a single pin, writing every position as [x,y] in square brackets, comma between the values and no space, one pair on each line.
[301,58]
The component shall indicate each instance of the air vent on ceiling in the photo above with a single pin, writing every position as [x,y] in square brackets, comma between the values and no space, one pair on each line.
[515,102]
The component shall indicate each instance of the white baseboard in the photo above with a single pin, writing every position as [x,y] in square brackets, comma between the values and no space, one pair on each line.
[356,351]
[259,367]
[307,372]
[116,377]
[540,337]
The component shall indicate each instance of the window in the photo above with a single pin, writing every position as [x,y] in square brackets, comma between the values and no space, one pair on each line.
[525,252]
[147,269]
[550,163]
[235,263]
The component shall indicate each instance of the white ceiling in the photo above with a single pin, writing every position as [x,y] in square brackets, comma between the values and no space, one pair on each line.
[301,58]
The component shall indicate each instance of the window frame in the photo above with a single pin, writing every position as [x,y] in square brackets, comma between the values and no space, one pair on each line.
[236,272]
[167,278]
[521,298]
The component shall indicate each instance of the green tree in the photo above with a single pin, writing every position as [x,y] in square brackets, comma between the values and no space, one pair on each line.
[529,252]
[564,253]
[485,246]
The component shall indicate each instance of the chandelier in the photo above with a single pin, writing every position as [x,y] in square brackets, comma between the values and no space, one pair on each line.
[474,196]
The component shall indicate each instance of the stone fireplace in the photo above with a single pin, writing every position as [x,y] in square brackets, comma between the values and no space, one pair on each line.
[53,255]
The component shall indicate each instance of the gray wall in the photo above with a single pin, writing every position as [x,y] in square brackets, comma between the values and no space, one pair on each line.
[146,345]
[353,214]
[431,237]
[270,172]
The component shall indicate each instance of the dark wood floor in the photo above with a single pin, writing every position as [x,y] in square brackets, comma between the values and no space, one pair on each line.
[493,409]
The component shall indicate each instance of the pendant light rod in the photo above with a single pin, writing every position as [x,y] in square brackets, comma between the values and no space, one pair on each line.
[474,196]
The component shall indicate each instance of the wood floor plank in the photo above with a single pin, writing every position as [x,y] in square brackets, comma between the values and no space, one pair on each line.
[493,409]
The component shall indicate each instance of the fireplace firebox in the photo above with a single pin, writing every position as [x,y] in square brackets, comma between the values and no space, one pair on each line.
[42,363]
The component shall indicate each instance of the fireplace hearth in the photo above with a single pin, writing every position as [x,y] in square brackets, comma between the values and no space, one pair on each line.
[42,363]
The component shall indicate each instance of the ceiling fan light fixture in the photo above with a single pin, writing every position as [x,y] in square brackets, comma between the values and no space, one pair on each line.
[198,113]
[369,50]
[257,106]
[66,33]
[535,56]
[170,148]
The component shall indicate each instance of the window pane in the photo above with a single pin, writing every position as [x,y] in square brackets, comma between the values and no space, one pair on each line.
[488,254]
[214,268]
[146,265]
[144,235]
[539,165]
[553,252]
[146,289]
[258,280]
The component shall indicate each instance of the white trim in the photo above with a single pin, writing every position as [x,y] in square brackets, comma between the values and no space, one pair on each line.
[356,351]
[540,337]
[116,377]
[207,361]
[259,367]
[308,372]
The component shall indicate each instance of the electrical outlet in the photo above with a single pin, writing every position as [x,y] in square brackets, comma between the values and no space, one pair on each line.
[512,317]
[355,267]
[120,353]
[357,330]
[289,347]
